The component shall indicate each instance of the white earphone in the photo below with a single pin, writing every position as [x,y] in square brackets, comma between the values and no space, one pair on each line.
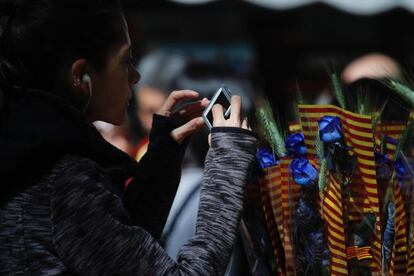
[86,78]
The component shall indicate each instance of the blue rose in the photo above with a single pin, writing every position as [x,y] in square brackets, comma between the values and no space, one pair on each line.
[265,158]
[330,129]
[295,144]
[303,171]
[383,170]
[381,158]
[400,169]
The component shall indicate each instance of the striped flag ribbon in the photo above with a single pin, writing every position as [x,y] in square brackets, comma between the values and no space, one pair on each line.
[398,264]
[269,187]
[357,252]
[410,254]
[358,135]
[289,194]
[392,130]
[333,215]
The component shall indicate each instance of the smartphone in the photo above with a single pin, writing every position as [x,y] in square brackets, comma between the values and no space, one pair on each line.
[222,97]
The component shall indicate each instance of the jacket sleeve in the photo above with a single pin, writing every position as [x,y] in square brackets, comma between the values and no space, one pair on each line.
[92,233]
[148,198]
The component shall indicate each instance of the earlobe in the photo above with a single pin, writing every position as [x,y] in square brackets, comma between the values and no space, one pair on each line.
[76,82]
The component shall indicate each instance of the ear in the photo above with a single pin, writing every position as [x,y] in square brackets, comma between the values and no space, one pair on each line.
[78,69]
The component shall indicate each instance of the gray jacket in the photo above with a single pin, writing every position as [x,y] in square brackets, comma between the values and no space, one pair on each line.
[73,221]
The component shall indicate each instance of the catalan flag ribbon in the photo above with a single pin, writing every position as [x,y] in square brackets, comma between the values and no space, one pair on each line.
[279,194]
[271,203]
[333,215]
[410,242]
[410,253]
[399,252]
[290,193]
[358,136]
[390,133]
[359,253]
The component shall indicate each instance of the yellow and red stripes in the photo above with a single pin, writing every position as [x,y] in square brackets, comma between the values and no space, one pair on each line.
[333,216]
[358,134]
[399,252]
[279,198]
[290,193]
[270,182]
[410,255]
[359,253]
[391,130]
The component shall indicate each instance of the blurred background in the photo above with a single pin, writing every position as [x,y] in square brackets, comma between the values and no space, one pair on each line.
[277,44]
[256,47]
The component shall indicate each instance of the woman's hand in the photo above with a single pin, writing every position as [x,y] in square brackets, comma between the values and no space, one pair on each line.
[234,120]
[190,113]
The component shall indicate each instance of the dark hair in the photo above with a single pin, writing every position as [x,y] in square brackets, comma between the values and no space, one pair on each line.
[39,39]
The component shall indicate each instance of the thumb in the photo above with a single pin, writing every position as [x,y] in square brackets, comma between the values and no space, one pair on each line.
[179,134]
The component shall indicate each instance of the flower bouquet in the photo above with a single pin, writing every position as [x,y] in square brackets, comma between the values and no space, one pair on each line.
[337,189]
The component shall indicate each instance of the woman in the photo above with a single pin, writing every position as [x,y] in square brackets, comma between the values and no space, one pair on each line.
[64,207]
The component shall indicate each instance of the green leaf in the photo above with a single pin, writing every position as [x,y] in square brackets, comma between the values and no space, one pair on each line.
[402,90]
[272,132]
[337,89]
[323,172]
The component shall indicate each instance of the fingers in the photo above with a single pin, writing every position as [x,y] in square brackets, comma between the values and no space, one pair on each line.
[244,123]
[234,120]
[174,98]
[192,110]
[235,108]
[218,115]
[179,134]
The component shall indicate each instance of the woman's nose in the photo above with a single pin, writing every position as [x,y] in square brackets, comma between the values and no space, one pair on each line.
[134,76]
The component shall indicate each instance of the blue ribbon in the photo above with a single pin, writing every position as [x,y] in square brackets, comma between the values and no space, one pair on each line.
[266,159]
[390,140]
[389,232]
[303,171]
[295,144]
[330,129]
[400,168]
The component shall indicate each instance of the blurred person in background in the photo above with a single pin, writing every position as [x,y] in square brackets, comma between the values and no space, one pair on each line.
[375,66]
[159,71]
[364,72]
